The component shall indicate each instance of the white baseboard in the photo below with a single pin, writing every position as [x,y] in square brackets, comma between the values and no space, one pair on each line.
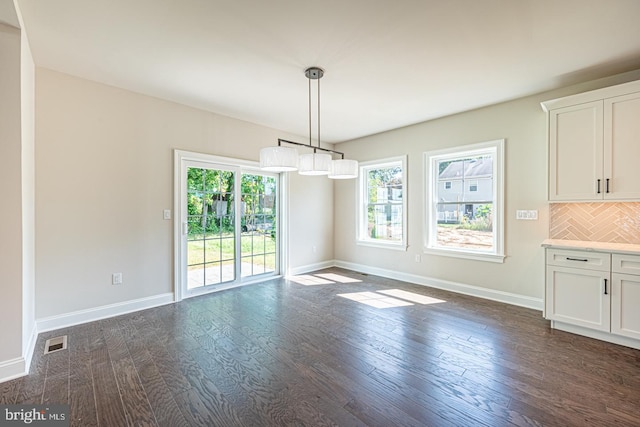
[12,368]
[311,267]
[103,312]
[461,288]
[15,368]
[30,347]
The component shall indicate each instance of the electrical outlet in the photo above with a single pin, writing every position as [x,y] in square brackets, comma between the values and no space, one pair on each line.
[418,258]
[116,279]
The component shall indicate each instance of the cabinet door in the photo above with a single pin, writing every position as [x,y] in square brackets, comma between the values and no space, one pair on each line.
[622,147]
[577,296]
[625,305]
[575,152]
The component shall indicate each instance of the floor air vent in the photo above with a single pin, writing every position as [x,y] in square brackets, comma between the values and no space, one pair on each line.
[55,344]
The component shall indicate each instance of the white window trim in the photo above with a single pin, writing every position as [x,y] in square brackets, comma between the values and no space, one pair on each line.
[430,218]
[361,194]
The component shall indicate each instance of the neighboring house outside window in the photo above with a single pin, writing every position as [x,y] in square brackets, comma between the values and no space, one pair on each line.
[382,205]
[464,202]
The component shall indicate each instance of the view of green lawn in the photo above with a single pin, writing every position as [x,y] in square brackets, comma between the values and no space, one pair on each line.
[220,247]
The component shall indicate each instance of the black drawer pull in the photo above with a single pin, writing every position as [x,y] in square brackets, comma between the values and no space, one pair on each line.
[577,259]
[598,186]
[605,287]
[607,186]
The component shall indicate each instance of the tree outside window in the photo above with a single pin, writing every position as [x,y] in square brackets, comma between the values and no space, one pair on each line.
[382,216]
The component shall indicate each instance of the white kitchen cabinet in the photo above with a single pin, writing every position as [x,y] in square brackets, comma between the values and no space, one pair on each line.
[575,151]
[622,147]
[625,295]
[594,145]
[578,288]
[592,290]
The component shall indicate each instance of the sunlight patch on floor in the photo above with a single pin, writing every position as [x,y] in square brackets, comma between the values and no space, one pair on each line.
[410,296]
[309,280]
[321,279]
[339,278]
[375,300]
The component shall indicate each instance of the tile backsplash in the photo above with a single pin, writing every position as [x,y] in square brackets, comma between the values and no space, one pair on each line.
[595,222]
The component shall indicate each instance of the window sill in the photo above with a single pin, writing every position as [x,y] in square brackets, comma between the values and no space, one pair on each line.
[392,246]
[477,256]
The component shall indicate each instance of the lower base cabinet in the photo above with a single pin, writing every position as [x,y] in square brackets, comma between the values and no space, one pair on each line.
[625,305]
[577,296]
[594,291]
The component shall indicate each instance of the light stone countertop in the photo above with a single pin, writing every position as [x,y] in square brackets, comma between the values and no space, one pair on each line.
[621,248]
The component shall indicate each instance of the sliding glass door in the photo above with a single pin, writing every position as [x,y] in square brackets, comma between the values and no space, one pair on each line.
[258,230]
[229,225]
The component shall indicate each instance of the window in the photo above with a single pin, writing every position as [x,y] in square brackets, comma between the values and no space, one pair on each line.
[382,203]
[465,218]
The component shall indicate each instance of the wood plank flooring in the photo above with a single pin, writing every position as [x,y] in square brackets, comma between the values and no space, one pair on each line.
[284,353]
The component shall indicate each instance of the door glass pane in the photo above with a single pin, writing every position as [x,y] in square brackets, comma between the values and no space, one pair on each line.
[258,224]
[211,233]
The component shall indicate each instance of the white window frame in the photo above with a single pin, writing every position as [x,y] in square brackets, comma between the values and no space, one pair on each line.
[431,159]
[362,237]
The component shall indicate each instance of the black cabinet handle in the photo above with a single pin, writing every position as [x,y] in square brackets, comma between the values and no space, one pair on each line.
[598,186]
[605,287]
[577,259]
[607,185]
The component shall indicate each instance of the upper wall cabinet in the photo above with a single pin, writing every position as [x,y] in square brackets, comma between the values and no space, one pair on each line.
[594,144]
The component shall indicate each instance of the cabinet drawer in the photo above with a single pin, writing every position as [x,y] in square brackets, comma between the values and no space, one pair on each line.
[579,259]
[628,264]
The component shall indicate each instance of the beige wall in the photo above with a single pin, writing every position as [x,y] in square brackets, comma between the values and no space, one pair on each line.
[522,123]
[11,195]
[103,176]
[27,89]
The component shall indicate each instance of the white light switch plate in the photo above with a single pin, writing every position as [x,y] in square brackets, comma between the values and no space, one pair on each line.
[166,214]
[527,215]
[116,279]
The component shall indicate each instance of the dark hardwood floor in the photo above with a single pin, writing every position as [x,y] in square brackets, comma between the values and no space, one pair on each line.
[285,353]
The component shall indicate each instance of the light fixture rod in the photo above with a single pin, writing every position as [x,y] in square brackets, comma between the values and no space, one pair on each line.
[340,153]
[310,111]
[318,110]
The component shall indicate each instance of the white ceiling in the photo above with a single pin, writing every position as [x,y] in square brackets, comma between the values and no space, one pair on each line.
[389,63]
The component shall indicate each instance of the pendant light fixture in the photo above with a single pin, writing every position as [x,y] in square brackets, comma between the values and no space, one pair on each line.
[314,163]
[284,159]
